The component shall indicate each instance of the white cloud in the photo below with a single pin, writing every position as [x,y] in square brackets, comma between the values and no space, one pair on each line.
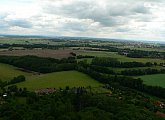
[131,19]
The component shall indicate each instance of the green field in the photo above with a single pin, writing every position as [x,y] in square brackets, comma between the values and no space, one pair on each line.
[22,41]
[7,72]
[50,80]
[121,58]
[154,80]
[59,79]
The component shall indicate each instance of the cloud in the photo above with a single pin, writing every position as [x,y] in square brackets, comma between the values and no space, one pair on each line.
[106,12]
[20,23]
[96,18]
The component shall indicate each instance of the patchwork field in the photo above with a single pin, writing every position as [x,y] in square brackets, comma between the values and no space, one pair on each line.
[154,80]
[26,41]
[59,79]
[51,80]
[39,52]
[64,53]
[7,72]
[117,56]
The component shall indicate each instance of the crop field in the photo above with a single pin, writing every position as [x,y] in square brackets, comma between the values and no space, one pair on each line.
[64,53]
[154,80]
[39,52]
[21,41]
[117,56]
[26,41]
[7,72]
[143,48]
[59,79]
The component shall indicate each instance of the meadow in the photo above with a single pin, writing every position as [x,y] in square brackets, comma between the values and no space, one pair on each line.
[59,79]
[117,56]
[50,80]
[64,53]
[71,78]
[7,72]
[154,80]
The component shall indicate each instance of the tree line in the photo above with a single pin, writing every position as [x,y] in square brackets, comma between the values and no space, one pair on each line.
[38,64]
[18,79]
[125,81]
[112,62]
[136,72]
[129,52]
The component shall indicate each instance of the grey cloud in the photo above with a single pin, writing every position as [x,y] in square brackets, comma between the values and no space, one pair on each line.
[3,16]
[91,17]
[20,23]
[107,15]
[3,24]
[75,26]
[142,18]
[123,29]
[141,9]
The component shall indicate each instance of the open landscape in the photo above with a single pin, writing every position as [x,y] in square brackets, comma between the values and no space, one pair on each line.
[8,72]
[84,68]
[59,79]
[38,52]
[65,49]
[82,60]
[155,80]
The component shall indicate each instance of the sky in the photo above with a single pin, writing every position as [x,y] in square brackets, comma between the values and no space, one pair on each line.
[121,19]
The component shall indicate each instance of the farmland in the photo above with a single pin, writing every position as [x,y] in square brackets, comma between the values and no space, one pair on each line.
[64,53]
[7,72]
[117,56]
[62,48]
[25,41]
[51,80]
[59,79]
[154,80]
[39,52]
[88,71]
[82,60]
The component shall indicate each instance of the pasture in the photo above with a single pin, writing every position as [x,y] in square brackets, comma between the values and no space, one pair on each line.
[64,53]
[24,41]
[154,80]
[7,72]
[121,58]
[59,79]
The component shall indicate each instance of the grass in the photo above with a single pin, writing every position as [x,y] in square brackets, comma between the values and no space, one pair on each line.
[59,79]
[7,72]
[22,41]
[50,80]
[119,57]
[154,80]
